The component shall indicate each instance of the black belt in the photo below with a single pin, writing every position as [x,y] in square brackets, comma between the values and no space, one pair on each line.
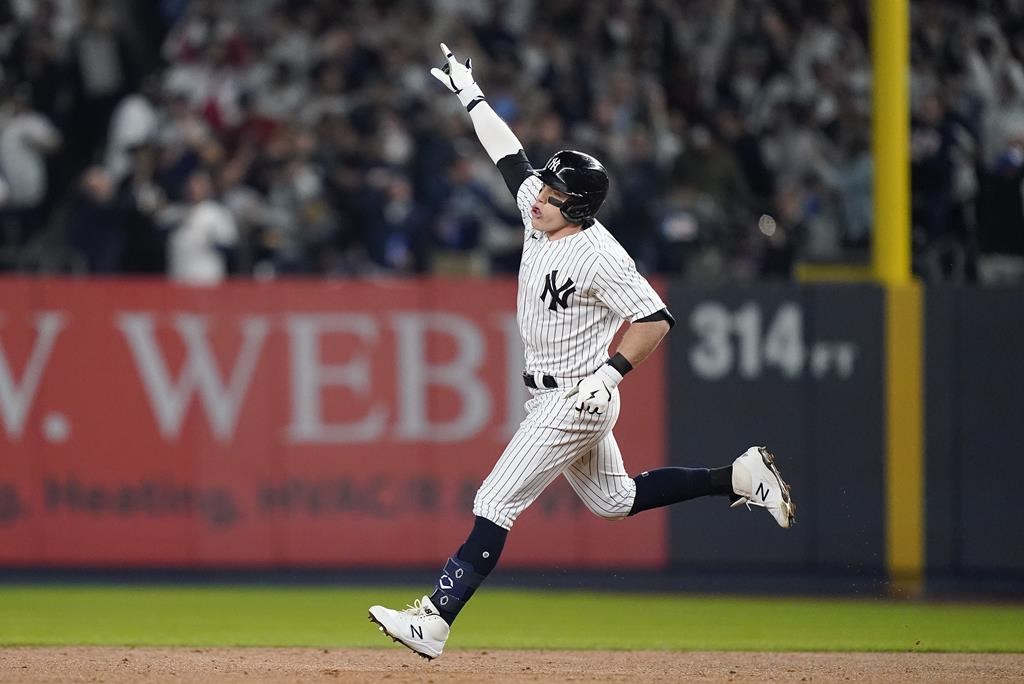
[547,380]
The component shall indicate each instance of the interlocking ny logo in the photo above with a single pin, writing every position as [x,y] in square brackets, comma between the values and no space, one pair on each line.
[559,293]
[762,491]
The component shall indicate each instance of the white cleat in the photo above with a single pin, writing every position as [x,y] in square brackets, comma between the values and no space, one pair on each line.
[757,482]
[419,627]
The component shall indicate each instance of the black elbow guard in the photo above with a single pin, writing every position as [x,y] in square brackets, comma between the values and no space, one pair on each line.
[515,168]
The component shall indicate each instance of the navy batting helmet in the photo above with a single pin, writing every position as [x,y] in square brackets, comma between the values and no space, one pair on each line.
[579,176]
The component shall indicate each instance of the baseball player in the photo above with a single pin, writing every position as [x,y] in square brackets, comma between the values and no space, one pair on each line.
[576,286]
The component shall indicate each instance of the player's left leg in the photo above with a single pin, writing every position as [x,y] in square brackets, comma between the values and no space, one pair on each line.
[600,479]
[666,486]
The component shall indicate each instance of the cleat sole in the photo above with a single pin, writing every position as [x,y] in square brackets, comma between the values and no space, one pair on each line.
[788,506]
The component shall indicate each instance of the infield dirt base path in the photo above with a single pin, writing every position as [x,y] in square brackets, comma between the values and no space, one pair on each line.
[399,666]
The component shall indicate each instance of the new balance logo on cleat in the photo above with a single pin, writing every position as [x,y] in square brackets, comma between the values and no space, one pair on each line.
[419,628]
[757,464]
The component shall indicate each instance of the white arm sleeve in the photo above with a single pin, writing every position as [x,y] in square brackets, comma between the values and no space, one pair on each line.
[494,134]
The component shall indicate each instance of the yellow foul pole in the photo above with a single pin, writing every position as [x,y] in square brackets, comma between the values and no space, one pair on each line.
[890,55]
[904,466]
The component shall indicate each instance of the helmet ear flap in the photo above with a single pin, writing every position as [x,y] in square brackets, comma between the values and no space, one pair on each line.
[581,209]
[574,212]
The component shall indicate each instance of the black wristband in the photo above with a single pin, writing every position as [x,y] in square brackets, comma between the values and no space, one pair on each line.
[620,363]
[474,102]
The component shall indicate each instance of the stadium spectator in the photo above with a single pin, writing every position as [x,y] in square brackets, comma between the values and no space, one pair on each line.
[135,122]
[101,73]
[140,199]
[26,138]
[723,110]
[397,230]
[199,245]
[94,222]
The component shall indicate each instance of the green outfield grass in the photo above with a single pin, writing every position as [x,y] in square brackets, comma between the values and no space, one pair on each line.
[331,617]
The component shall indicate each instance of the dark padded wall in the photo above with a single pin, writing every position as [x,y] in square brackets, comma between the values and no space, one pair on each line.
[737,378]
[974,427]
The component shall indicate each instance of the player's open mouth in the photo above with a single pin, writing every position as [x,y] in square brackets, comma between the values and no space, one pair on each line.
[535,212]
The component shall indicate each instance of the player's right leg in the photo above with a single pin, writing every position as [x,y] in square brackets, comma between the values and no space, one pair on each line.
[534,457]
[424,626]
[419,627]
[550,439]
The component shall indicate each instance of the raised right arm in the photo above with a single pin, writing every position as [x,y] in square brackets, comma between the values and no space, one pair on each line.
[498,140]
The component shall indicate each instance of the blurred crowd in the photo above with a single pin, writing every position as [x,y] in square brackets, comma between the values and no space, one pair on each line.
[208,138]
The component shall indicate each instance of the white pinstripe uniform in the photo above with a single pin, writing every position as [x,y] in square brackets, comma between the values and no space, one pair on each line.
[596,280]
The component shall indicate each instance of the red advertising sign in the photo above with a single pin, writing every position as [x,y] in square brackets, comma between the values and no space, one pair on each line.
[326,424]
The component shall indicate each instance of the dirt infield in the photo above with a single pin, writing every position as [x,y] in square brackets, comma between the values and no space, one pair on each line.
[398,666]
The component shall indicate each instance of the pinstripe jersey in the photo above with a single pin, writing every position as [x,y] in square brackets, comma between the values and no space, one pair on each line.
[574,293]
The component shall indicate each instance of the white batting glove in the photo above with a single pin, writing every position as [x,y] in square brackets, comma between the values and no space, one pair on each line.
[458,78]
[595,391]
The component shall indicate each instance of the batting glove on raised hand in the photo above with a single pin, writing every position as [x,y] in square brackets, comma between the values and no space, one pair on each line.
[595,391]
[458,78]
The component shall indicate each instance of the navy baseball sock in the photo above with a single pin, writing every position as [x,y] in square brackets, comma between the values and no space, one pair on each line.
[463,573]
[664,486]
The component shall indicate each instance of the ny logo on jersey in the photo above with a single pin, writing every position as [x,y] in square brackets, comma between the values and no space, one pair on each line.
[559,293]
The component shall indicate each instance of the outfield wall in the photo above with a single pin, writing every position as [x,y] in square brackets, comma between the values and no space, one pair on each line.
[974,432]
[347,425]
[285,425]
[799,369]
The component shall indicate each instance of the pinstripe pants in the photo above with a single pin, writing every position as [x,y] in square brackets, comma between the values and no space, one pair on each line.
[554,439]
